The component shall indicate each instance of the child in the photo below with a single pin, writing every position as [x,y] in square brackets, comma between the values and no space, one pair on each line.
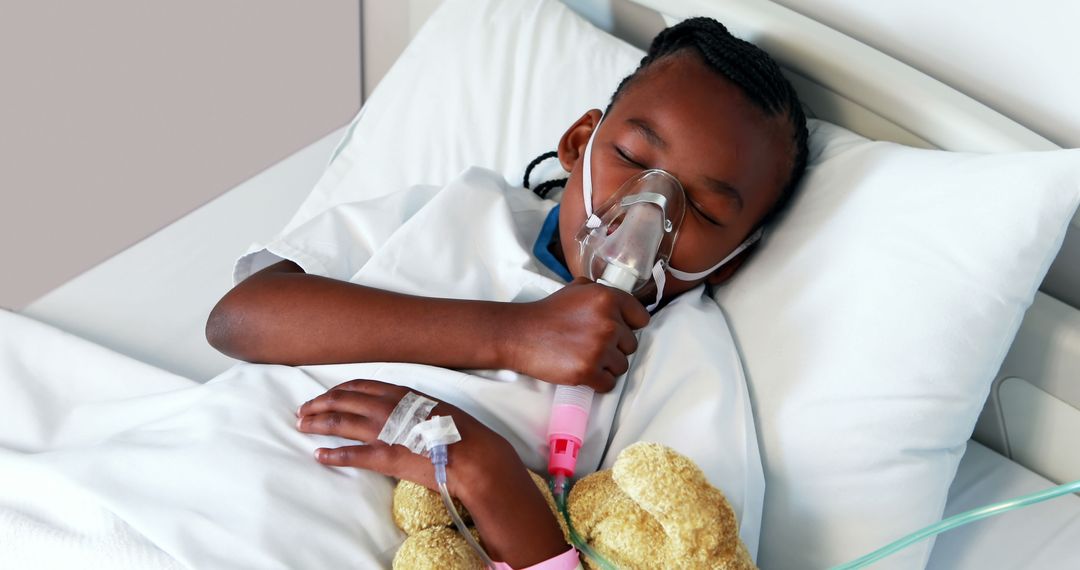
[710,109]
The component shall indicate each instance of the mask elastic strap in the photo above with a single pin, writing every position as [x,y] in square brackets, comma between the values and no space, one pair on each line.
[684,276]
[660,278]
[593,221]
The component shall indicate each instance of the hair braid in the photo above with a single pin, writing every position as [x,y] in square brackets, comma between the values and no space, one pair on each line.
[532,165]
[543,188]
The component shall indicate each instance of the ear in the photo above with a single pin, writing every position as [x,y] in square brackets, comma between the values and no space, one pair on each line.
[720,276]
[572,144]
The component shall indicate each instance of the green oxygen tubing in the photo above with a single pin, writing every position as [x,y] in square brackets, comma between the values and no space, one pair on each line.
[960,520]
[558,491]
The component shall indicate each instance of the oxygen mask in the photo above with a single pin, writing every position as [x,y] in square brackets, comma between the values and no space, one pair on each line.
[633,230]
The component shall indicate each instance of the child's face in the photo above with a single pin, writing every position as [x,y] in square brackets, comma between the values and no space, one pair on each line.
[680,116]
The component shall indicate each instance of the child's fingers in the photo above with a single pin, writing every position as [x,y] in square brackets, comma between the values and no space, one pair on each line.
[372,387]
[602,381]
[349,401]
[616,362]
[633,313]
[392,460]
[350,426]
[627,342]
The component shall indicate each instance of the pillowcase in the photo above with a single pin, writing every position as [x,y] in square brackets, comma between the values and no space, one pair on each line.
[872,319]
[872,322]
[488,83]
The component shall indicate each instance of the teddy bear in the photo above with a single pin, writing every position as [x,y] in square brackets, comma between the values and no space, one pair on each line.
[653,509]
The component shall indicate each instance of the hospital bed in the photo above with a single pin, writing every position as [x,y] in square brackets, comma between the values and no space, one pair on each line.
[151,301]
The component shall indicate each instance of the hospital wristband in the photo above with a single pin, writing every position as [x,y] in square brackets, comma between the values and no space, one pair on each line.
[566,561]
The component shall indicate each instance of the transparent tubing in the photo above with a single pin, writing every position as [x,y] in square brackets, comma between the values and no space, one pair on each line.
[439,459]
[960,520]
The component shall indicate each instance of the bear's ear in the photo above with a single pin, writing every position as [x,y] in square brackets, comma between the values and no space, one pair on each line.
[437,548]
[417,508]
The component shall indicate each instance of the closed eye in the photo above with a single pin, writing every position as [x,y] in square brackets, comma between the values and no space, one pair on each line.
[701,212]
[627,158]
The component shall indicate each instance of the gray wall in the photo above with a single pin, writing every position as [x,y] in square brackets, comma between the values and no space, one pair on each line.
[118,117]
[388,27]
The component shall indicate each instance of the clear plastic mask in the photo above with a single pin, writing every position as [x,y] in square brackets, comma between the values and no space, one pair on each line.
[638,226]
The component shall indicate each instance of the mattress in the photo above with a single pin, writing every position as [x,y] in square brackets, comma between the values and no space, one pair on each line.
[1042,536]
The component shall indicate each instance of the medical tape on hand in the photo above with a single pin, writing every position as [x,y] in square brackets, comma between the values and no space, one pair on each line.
[410,411]
[439,430]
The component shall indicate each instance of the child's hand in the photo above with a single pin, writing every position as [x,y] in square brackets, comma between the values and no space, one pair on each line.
[484,472]
[358,409]
[581,334]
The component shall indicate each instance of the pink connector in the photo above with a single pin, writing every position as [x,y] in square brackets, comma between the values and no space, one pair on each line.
[566,429]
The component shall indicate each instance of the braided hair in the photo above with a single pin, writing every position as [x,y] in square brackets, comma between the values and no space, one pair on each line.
[742,63]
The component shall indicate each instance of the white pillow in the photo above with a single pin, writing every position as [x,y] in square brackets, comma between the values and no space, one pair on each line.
[483,83]
[871,321]
[871,324]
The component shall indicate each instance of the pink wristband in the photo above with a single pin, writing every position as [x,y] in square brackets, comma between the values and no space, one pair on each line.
[566,561]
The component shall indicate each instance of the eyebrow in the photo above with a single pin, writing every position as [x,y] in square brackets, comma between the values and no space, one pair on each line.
[726,189]
[646,131]
[718,186]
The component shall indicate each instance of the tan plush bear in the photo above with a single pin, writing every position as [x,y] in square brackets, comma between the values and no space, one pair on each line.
[433,542]
[654,509]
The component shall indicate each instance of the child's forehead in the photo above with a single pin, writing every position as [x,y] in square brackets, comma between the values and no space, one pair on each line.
[682,80]
[682,98]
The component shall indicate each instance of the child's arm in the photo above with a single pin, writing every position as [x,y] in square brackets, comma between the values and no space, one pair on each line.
[582,334]
[484,472]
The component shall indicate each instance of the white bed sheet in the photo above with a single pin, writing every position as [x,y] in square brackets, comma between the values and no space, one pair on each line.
[215,475]
[212,475]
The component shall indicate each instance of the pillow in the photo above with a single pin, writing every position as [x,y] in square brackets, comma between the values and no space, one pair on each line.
[872,322]
[490,83]
[866,370]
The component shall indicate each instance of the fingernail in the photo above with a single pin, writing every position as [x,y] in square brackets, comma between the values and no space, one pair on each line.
[298,410]
[298,422]
[319,454]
